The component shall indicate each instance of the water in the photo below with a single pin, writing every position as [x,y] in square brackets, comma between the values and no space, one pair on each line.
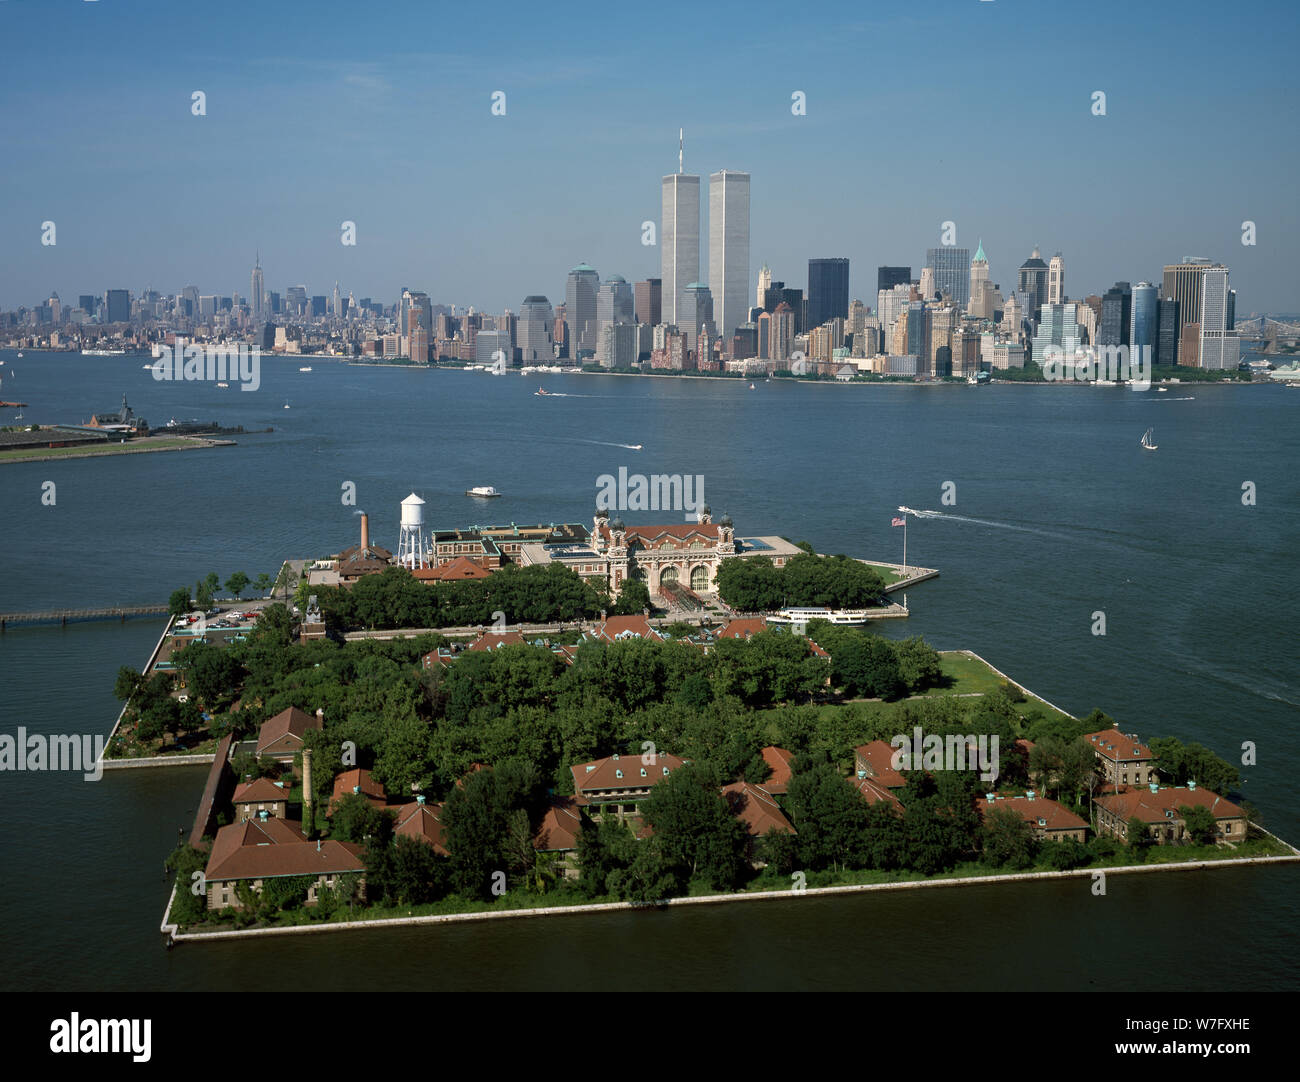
[1059,514]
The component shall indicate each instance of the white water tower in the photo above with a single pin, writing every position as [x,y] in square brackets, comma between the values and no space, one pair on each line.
[410,545]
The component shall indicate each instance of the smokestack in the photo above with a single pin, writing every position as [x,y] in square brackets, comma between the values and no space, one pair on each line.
[365,532]
[306,783]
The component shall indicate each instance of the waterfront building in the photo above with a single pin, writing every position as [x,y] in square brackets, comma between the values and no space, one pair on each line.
[580,309]
[1160,808]
[828,290]
[1057,326]
[695,312]
[1047,819]
[536,319]
[1167,331]
[492,346]
[1116,315]
[260,849]
[1182,283]
[1145,318]
[729,248]
[781,332]
[1122,758]
[616,786]
[617,346]
[260,798]
[1220,346]
[951,267]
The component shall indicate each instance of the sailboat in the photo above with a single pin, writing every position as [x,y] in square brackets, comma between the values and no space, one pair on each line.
[1146,440]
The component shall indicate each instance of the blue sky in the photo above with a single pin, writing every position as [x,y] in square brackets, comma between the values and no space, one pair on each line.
[962,110]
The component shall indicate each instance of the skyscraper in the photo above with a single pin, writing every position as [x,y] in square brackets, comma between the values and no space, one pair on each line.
[888,277]
[696,312]
[1182,283]
[580,308]
[1167,333]
[828,290]
[1033,283]
[729,249]
[613,308]
[535,319]
[1116,315]
[117,306]
[648,301]
[1220,346]
[1145,320]
[257,289]
[951,266]
[764,284]
[679,238]
[979,275]
[1056,279]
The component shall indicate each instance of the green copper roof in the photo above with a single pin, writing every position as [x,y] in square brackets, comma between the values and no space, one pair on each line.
[979,253]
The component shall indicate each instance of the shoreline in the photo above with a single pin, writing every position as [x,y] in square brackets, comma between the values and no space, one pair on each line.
[137,447]
[715,899]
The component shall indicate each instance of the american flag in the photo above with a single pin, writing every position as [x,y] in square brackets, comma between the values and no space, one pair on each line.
[898,521]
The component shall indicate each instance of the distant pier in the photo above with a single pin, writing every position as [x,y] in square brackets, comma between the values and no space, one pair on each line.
[63,616]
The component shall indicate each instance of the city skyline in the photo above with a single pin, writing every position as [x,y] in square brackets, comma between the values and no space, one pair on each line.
[420,219]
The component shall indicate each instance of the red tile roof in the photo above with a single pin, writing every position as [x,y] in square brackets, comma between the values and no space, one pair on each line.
[260,850]
[602,774]
[462,567]
[360,782]
[781,762]
[742,628]
[1151,807]
[754,806]
[625,626]
[879,758]
[873,792]
[1116,746]
[287,728]
[423,821]
[560,826]
[1057,816]
[647,535]
[260,790]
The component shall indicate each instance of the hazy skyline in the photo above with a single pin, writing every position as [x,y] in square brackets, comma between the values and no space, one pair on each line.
[973,112]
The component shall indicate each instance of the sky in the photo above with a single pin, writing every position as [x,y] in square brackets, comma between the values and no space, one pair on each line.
[976,112]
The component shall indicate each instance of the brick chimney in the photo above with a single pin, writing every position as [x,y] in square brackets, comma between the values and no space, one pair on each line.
[365,532]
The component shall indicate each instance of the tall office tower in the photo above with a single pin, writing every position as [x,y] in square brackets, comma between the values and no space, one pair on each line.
[648,302]
[1145,318]
[613,307]
[418,311]
[257,289]
[1220,345]
[744,343]
[336,300]
[86,302]
[799,306]
[773,295]
[857,316]
[1168,328]
[506,322]
[1116,315]
[977,302]
[828,290]
[1013,315]
[617,345]
[1232,309]
[889,303]
[729,249]
[1058,325]
[1033,283]
[117,306]
[696,313]
[295,299]
[764,284]
[764,327]
[1056,279]
[951,266]
[419,343]
[319,306]
[679,238]
[580,308]
[780,341]
[926,286]
[274,302]
[917,345]
[56,309]
[888,277]
[940,323]
[1182,283]
[489,343]
[965,347]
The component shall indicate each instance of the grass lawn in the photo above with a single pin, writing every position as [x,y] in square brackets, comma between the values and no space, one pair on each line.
[89,450]
[889,575]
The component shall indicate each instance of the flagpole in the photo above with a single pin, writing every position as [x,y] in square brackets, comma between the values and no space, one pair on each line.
[904,546]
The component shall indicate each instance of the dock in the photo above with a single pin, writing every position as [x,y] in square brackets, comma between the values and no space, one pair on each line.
[63,616]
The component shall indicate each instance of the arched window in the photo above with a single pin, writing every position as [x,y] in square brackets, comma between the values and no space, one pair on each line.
[668,577]
[699,578]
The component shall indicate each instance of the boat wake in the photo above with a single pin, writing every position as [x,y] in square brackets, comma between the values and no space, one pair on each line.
[1186,398]
[984,522]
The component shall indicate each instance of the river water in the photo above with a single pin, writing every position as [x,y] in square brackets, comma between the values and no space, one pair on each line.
[1059,514]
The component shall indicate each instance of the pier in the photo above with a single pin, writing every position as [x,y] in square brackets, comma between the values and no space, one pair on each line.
[62,616]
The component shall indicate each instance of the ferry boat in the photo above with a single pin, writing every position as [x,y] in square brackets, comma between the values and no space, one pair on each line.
[839,617]
[101,353]
[482,491]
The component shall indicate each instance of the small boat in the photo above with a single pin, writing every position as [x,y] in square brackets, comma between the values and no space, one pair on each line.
[149,366]
[219,384]
[305,368]
[751,387]
[1163,390]
[20,355]
[286,405]
[542,391]
[634,447]
[482,491]
[1146,440]
[18,416]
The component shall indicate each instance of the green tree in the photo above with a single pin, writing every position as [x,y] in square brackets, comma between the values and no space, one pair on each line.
[633,598]
[1139,838]
[831,820]
[694,827]
[1200,824]
[918,664]
[1008,840]
[237,583]
[127,683]
[355,819]
[263,583]
[179,602]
